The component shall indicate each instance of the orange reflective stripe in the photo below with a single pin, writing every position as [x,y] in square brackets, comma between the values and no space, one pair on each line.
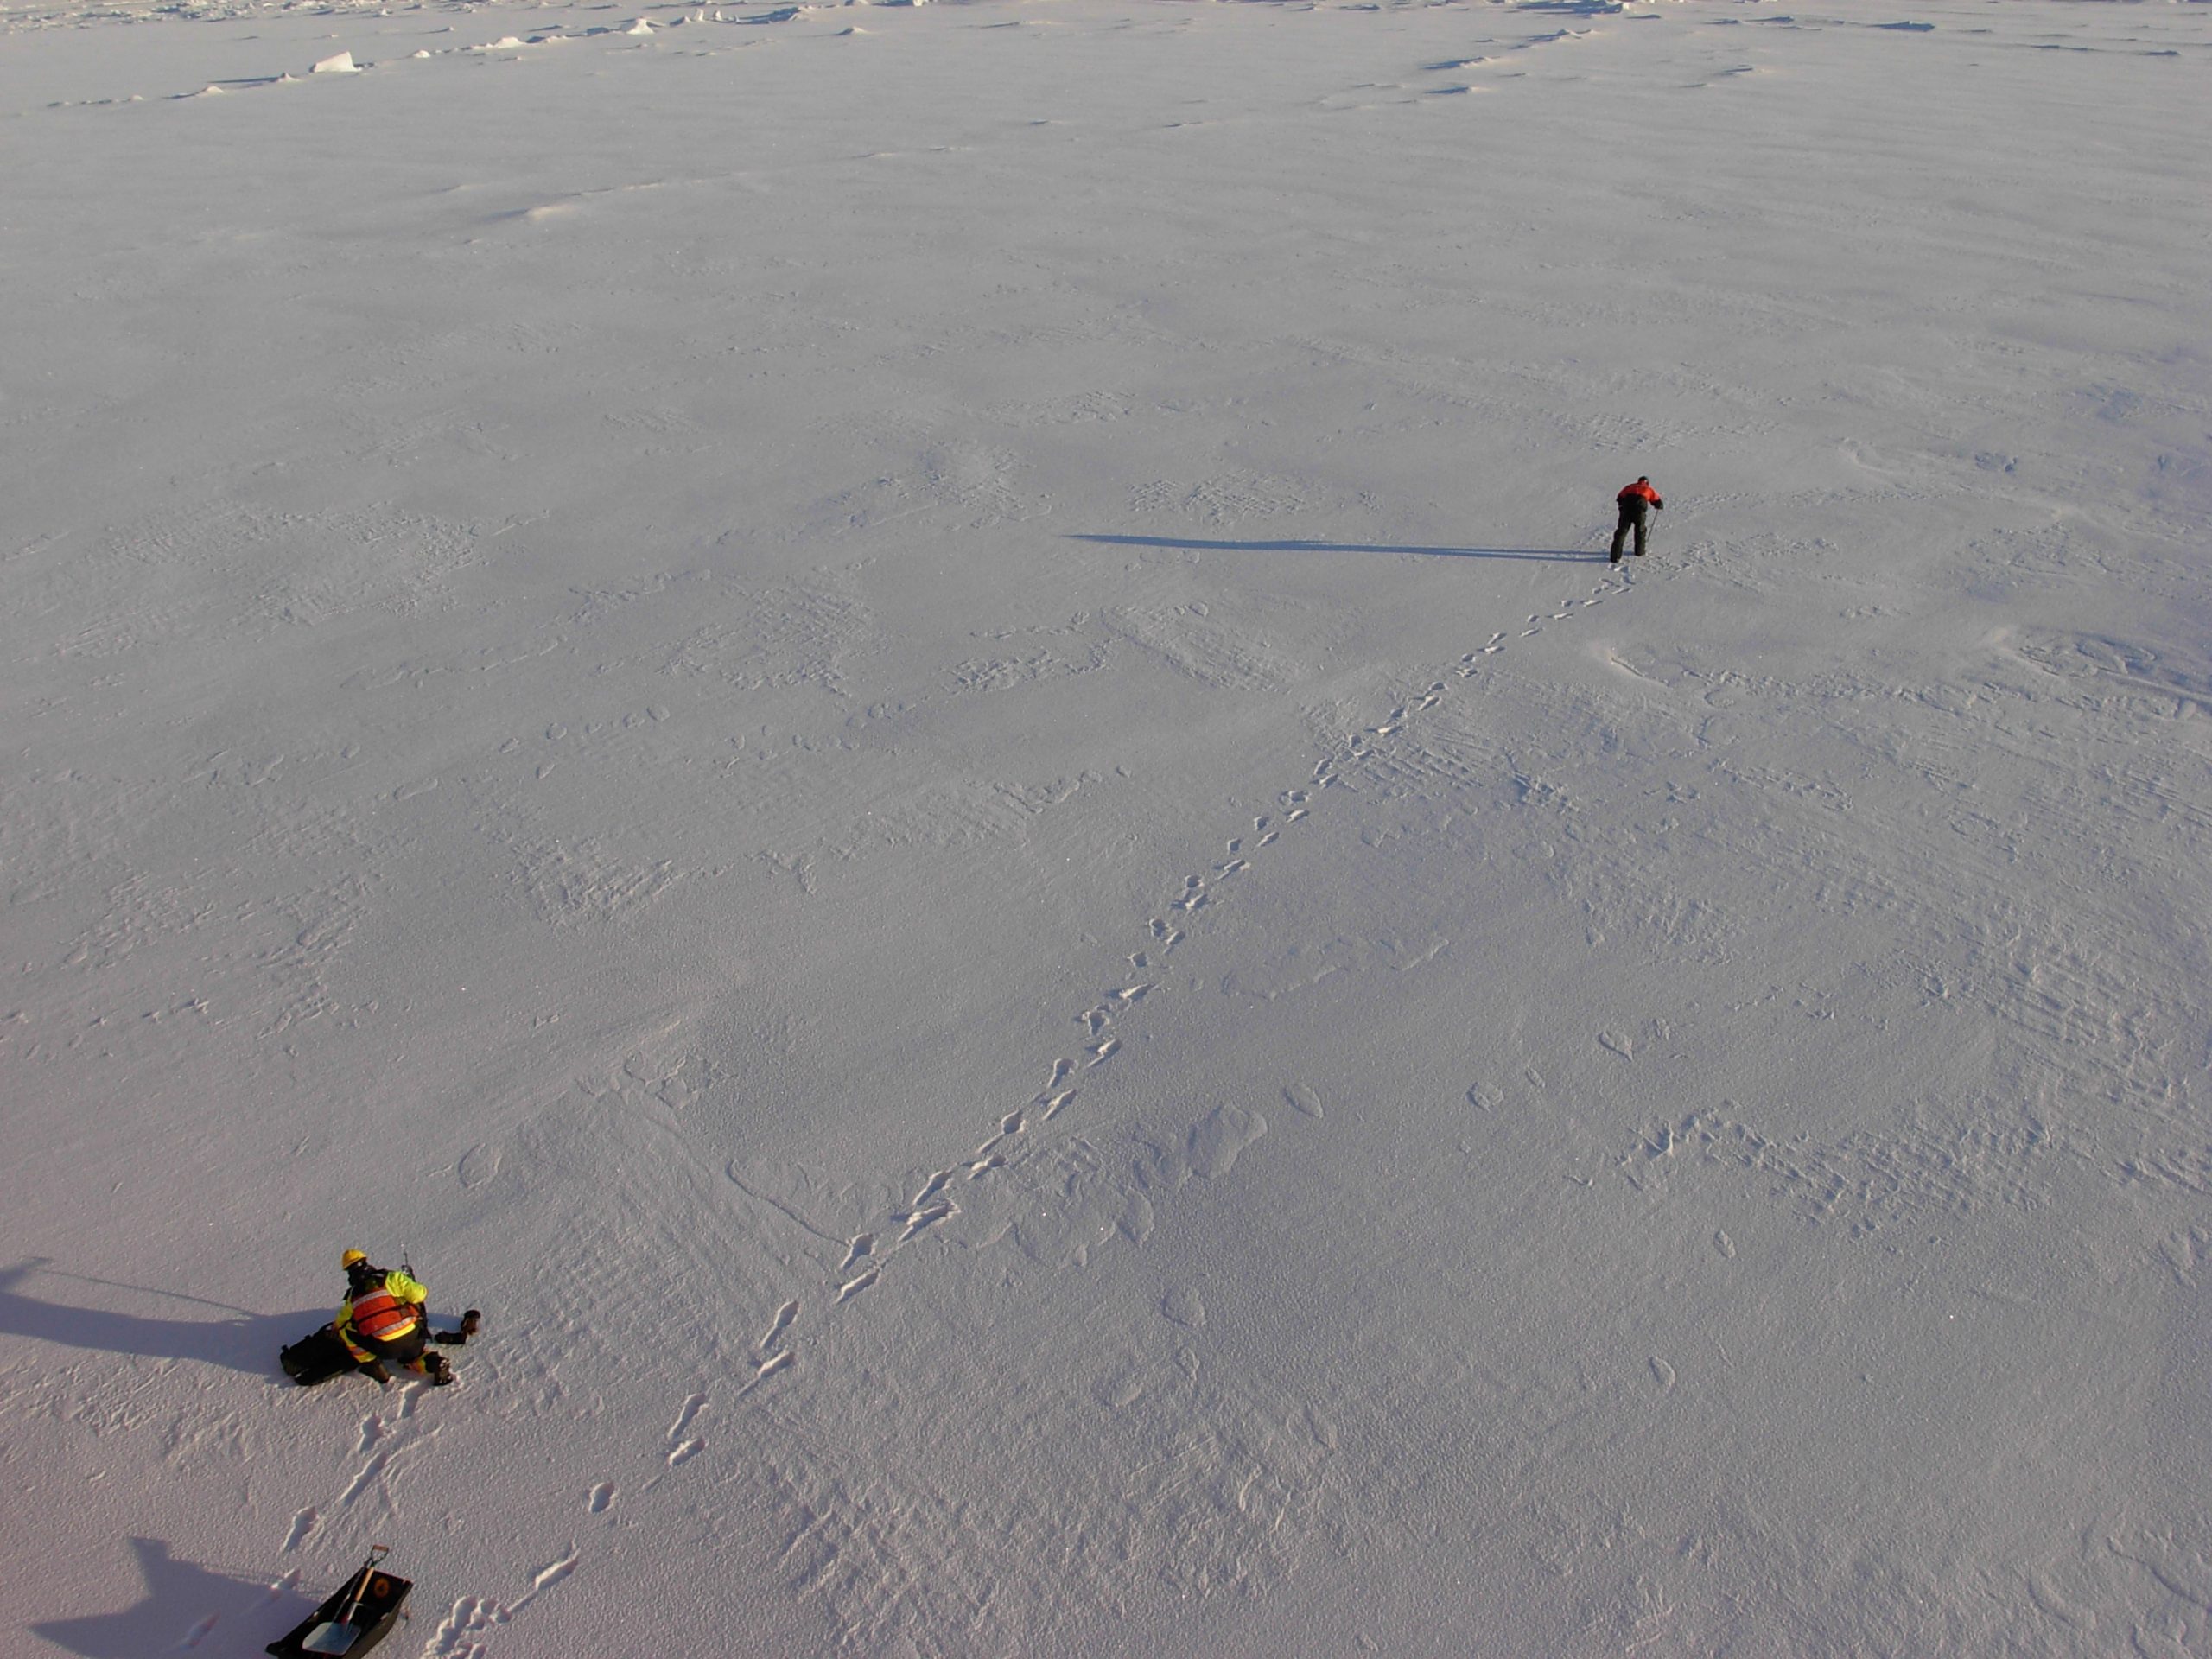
[380,1316]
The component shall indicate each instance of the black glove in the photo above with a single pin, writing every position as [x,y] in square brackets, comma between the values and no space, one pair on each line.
[471,1322]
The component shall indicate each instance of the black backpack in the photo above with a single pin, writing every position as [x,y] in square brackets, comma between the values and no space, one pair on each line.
[316,1357]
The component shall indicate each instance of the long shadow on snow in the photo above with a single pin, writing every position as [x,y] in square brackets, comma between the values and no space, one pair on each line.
[178,1597]
[1579,554]
[247,1342]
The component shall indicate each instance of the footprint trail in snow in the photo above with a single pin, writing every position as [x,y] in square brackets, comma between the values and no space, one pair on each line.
[869,1254]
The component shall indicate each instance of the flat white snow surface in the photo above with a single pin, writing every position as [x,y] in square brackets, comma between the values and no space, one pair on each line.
[905,728]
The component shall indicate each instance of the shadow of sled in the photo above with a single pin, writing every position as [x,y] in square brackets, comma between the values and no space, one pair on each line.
[176,1592]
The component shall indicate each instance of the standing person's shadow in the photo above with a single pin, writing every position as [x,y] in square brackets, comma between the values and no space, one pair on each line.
[1198,545]
[182,1605]
[245,1342]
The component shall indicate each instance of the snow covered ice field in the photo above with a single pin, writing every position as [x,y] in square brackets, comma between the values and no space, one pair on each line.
[905,728]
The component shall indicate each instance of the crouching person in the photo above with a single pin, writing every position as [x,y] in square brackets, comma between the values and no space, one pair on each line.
[382,1322]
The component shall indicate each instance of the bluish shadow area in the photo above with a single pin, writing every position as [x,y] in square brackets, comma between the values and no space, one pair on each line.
[245,1342]
[1582,555]
[181,1604]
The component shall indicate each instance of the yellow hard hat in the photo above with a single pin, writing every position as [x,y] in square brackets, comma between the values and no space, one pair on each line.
[352,1257]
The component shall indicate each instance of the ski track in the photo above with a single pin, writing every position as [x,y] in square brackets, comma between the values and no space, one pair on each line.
[869,1253]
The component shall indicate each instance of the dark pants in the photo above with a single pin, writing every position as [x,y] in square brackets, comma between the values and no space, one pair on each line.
[405,1350]
[1632,518]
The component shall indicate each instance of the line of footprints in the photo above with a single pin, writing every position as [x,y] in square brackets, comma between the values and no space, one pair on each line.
[868,1254]
[385,1441]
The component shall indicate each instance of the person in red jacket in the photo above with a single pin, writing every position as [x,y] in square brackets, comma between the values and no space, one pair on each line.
[1632,502]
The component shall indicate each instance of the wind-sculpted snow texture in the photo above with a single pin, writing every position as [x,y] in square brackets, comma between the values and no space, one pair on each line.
[906,728]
